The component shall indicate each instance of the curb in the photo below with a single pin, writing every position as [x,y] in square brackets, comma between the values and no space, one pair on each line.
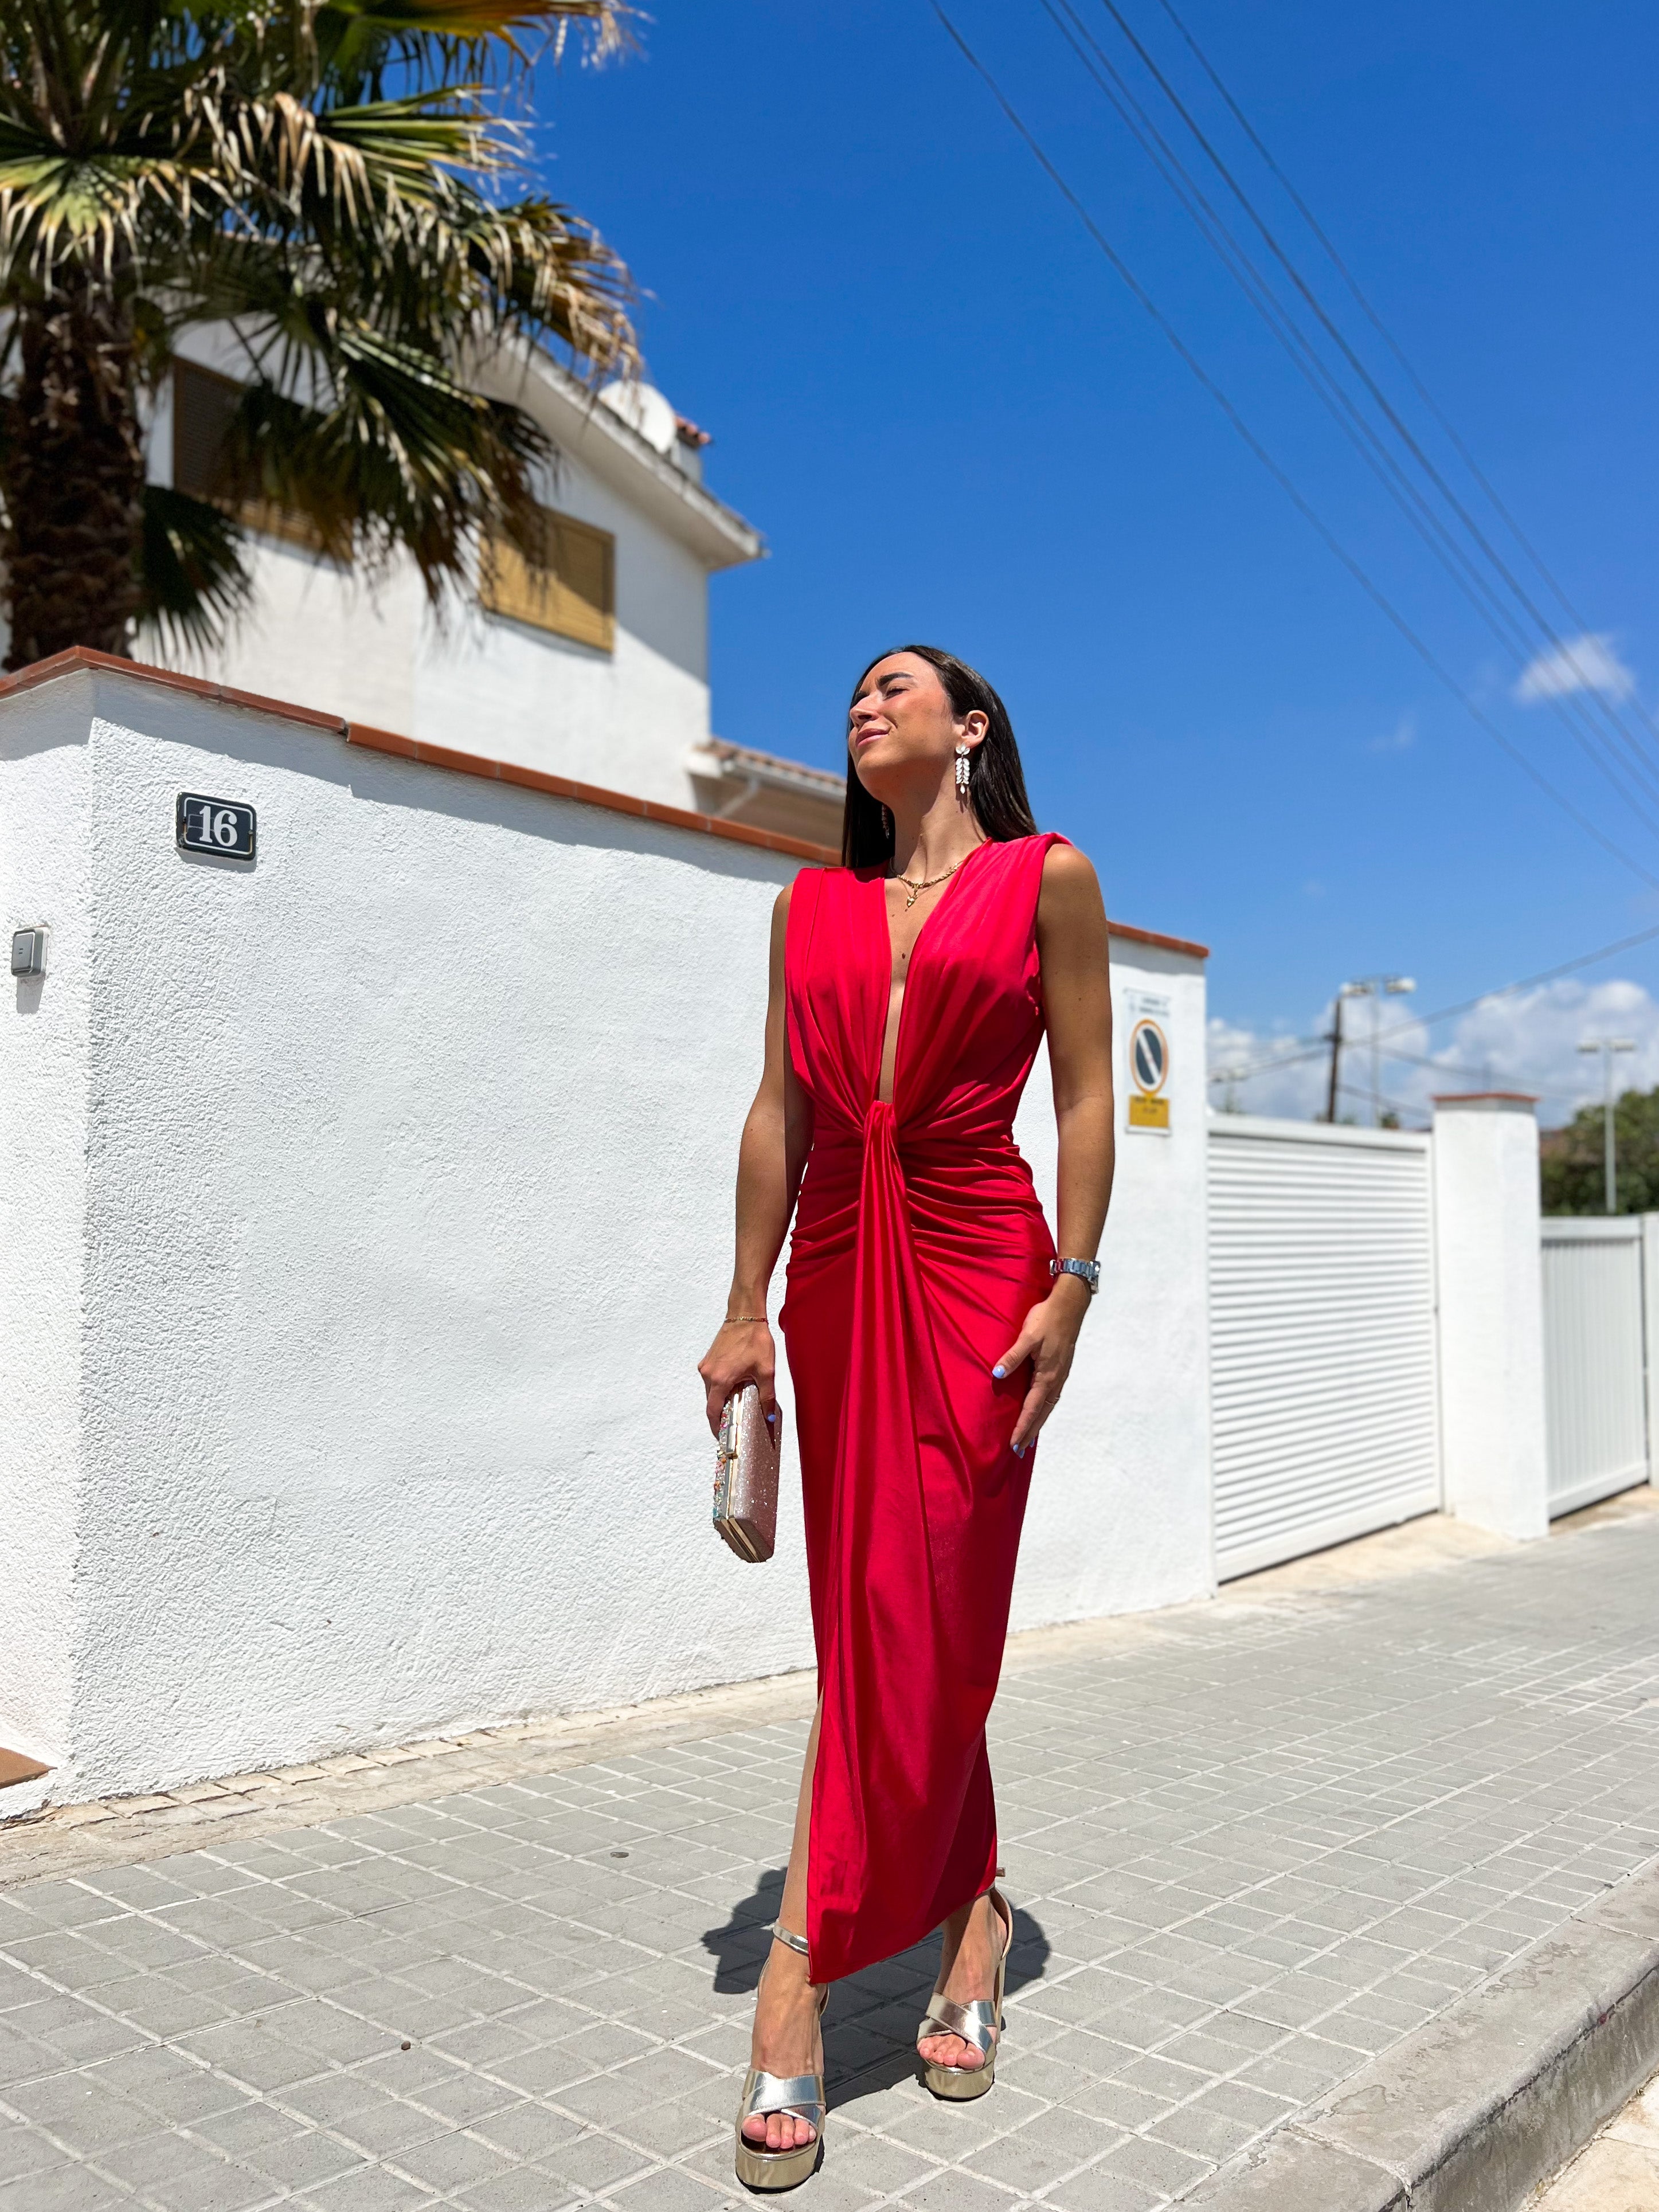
[1471,2111]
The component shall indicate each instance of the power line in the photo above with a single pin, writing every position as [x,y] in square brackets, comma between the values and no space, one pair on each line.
[1401,428]
[1373,451]
[1309,514]
[1389,338]
[1469,1074]
[1360,434]
[1314,1047]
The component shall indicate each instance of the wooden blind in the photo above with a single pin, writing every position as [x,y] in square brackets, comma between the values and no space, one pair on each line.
[569,588]
[203,405]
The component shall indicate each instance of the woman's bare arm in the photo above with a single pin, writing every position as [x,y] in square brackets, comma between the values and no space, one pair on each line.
[1077,996]
[771,1159]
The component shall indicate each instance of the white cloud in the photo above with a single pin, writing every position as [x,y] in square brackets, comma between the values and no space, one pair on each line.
[1526,1041]
[1296,1091]
[1398,740]
[1590,663]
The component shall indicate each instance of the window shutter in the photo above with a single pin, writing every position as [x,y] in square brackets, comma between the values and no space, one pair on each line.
[203,405]
[570,589]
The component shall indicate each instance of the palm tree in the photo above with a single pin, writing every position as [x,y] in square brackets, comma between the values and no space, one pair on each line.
[329,179]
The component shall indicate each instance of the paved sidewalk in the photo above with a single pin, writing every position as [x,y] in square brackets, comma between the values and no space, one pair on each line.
[1250,1846]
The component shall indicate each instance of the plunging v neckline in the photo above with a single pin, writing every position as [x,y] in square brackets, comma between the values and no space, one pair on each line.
[928,921]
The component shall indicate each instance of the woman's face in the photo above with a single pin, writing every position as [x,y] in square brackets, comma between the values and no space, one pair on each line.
[902,727]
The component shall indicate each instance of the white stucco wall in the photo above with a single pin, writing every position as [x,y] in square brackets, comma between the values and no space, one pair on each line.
[47,846]
[624,719]
[1490,1274]
[1120,1512]
[406,1216]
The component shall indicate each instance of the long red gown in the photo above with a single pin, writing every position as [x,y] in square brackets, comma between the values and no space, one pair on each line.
[919,1247]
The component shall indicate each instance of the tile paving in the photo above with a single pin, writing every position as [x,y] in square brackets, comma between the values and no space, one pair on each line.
[1249,1848]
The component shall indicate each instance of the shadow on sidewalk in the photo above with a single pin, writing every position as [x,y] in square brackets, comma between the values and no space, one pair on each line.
[870,2032]
[739,1949]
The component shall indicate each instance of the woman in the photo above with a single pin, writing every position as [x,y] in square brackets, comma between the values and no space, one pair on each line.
[930,1326]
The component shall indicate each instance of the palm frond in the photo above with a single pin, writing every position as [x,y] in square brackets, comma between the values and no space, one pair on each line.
[603,23]
[194,584]
[400,456]
[334,181]
[360,42]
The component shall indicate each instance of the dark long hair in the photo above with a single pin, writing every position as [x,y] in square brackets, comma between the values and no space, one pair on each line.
[998,789]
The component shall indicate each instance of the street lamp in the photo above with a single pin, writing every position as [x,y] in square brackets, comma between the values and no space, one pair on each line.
[1376,988]
[1607,1047]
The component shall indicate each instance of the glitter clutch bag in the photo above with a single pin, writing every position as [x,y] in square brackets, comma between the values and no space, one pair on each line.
[746,1477]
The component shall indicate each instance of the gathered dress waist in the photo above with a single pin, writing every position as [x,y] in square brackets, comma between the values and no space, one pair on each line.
[964,1191]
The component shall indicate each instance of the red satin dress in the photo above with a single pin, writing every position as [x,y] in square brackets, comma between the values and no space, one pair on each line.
[919,1247]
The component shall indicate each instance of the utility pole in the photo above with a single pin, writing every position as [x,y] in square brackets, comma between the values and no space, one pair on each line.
[1336,1054]
[1376,988]
[1607,1047]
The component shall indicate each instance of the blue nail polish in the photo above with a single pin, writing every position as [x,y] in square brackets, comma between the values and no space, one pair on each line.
[998,1372]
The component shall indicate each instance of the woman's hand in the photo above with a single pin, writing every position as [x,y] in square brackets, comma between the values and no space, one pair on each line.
[1047,1340]
[741,1352]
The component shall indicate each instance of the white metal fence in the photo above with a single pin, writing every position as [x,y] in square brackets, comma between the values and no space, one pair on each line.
[1595,1383]
[1325,1407]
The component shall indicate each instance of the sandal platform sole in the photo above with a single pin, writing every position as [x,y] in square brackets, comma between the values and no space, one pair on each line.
[778,2169]
[959,2083]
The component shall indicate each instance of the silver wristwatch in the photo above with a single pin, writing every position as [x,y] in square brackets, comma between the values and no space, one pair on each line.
[1088,1269]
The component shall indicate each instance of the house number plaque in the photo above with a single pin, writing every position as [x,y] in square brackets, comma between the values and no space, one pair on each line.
[215,825]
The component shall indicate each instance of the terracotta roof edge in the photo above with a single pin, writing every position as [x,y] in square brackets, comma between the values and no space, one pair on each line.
[85,659]
[1480,1097]
[583,794]
[1187,945]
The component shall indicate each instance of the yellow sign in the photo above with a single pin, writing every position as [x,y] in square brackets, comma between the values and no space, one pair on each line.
[1149,1069]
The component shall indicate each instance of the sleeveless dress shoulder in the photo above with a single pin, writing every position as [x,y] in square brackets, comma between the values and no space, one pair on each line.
[918,1248]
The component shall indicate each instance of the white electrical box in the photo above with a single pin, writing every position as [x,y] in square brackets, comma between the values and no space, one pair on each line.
[29,952]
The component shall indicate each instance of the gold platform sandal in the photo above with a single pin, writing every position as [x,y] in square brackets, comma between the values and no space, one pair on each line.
[979,2023]
[799,2095]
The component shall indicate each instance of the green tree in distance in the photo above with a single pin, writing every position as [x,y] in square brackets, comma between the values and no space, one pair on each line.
[334,181]
[1572,1159]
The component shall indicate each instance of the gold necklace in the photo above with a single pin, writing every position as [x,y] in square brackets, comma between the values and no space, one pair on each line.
[917,890]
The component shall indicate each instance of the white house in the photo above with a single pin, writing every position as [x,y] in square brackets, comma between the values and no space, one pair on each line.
[592,664]
[365,1206]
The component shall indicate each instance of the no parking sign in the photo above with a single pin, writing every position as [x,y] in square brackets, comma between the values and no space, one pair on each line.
[1148,1056]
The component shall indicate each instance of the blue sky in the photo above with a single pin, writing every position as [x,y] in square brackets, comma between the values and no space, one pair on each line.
[953,421]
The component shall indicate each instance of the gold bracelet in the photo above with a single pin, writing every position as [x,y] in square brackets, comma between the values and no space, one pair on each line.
[732,1319]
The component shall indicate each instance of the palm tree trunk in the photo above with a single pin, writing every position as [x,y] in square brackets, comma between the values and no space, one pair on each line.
[72,478]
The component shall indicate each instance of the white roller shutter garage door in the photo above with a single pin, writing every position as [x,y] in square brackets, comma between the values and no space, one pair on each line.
[1323,1336]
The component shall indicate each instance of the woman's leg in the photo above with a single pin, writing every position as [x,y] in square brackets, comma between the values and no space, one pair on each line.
[787,2039]
[972,1945]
